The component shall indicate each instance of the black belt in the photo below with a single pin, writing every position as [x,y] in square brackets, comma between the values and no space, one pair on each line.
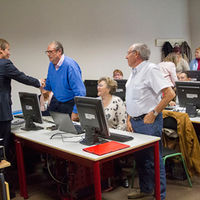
[139,117]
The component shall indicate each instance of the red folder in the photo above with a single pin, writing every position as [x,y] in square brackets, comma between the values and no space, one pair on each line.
[105,148]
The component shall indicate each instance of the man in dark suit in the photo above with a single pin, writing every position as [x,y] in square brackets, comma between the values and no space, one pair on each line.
[7,72]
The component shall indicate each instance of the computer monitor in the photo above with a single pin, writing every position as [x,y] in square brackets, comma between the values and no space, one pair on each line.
[189,95]
[194,75]
[91,88]
[121,88]
[92,119]
[31,110]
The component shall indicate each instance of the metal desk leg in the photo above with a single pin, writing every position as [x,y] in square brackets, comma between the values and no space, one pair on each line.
[21,170]
[157,170]
[97,181]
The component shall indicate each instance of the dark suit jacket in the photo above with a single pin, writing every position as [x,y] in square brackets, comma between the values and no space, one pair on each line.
[7,72]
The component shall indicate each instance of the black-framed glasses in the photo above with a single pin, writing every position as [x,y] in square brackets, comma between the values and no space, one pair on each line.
[50,51]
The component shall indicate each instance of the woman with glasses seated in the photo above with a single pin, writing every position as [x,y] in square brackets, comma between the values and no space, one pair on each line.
[115,112]
[114,107]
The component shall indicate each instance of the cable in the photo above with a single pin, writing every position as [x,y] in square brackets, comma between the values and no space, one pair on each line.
[61,134]
[50,173]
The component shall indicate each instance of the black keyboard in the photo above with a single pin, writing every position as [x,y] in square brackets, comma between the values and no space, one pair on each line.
[119,137]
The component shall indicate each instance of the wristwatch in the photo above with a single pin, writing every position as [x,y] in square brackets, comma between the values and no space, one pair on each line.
[155,113]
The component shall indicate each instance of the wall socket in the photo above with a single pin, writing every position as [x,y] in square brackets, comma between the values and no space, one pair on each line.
[160,42]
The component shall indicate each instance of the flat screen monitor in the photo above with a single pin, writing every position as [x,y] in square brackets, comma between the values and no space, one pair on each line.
[91,88]
[121,88]
[31,110]
[92,119]
[194,75]
[189,95]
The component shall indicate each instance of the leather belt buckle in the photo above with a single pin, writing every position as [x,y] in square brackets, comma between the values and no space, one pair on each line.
[139,117]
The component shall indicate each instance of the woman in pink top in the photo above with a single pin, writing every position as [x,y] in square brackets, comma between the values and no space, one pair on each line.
[168,68]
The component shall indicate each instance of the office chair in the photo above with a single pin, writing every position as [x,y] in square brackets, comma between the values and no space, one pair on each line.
[171,123]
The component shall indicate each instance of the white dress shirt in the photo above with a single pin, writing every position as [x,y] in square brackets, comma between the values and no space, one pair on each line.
[143,89]
[60,62]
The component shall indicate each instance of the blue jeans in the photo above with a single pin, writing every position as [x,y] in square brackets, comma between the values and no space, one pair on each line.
[145,158]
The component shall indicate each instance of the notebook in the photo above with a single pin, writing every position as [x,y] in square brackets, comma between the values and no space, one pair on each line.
[105,148]
[65,123]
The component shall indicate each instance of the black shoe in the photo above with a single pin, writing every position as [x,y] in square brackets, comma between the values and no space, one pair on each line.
[125,183]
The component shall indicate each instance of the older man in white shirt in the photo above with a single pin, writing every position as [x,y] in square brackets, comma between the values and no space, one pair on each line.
[147,94]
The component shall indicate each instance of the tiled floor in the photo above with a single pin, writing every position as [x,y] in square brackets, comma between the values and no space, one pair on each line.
[41,187]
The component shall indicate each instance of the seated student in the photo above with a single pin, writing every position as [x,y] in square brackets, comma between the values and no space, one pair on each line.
[117,74]
[114,107]
[183,76]
[45,99]
[115,112]
[195,63]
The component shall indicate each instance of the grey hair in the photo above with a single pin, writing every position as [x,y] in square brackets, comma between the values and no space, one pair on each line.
[58,46]
[142,49]
[3,44]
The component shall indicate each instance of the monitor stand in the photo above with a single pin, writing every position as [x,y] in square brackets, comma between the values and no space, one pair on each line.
[30,126]
[191,110]
[92,137]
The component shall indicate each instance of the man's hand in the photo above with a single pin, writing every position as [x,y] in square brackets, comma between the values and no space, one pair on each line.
[149,118]
[168,95]
[129,126]
[74,117]
[172,103]
[43,82]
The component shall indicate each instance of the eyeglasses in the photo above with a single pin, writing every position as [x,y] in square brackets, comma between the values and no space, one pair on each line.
[132,51]
[50,51]
[100,85]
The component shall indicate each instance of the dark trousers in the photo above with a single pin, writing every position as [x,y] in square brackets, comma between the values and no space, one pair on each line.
[62,107]
[5,134]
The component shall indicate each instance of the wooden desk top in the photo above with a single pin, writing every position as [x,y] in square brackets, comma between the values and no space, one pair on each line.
[4,164]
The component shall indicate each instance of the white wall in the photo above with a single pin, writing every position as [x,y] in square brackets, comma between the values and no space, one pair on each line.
[96,33]
[194,6]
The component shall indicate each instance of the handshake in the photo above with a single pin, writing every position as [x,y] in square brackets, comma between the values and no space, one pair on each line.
[42,83]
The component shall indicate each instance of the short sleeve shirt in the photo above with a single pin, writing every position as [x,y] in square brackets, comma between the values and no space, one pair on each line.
[144,89]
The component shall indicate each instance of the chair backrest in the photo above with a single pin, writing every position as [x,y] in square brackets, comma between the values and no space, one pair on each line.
[170,122]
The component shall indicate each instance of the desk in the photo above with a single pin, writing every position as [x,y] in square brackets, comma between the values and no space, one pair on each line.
[195,119]
[40,140]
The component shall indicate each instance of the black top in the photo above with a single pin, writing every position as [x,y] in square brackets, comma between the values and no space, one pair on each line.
[7,72]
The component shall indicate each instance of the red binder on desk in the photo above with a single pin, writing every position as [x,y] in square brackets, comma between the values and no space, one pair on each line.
[105,148]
